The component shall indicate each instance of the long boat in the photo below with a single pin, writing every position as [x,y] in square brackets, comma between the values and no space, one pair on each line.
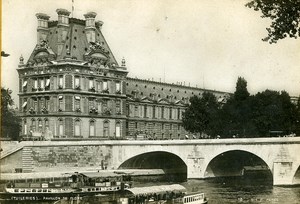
[57,186]
[169,194]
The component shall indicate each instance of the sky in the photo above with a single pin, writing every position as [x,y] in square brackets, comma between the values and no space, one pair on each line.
[203,43]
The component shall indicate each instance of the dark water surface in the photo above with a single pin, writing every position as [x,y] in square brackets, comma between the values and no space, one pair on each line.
[233,190]
[238,190]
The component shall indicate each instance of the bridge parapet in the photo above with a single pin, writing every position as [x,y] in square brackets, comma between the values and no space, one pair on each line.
[280,154]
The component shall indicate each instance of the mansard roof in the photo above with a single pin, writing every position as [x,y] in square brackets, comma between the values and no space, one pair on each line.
[166,92]
[75,44]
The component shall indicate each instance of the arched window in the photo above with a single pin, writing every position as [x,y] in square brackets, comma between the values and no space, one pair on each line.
[77,128]
[106,128]
[118,129]
[92,128]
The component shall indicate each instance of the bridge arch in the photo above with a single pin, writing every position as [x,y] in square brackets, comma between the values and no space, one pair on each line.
[232,163]
[296,177]
[169,162]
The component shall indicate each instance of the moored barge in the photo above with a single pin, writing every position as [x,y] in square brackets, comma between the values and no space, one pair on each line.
[56,186]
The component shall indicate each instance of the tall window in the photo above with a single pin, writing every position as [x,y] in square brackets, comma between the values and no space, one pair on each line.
[35,81]
[92,128]
[69,81]
[118,87]
[77,103]
[136,110]
[118,129]
[42,83]
[25,127]
[35,104]
[106,129]
[60,103]
[46,123]
[99,105]
[118,107]
[24,105]
[47,86]
[60,127]
[91,83]
[33,125]
[105,87]
[77,82]
[162,112]
[68,103]
[40,125]
[47,104]
[170,114]
[145,111]
[77,128]
[60,82]
[24,85]
[91,103]
[153,112]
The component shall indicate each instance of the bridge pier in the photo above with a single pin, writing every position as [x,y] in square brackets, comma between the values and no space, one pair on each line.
[195,167]
[283,173]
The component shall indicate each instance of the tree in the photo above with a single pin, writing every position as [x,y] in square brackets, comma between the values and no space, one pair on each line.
[201,114]
[285,17]
[273,111]
[241,93]
[236,112]
[10,122]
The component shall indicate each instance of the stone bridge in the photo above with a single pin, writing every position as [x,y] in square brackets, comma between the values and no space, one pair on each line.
[196,158]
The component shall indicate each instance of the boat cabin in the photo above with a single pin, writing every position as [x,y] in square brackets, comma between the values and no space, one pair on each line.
[153,194]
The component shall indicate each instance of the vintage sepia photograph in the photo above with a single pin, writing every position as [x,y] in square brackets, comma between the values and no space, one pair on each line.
[150,101]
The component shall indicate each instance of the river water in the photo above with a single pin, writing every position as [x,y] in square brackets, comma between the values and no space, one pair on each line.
[238,190]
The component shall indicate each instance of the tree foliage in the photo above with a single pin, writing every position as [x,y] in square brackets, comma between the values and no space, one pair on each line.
[10,122]
[201,113]
[285,17]
[243,115]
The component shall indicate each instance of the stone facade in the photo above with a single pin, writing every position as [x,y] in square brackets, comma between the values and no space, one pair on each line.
[72,87]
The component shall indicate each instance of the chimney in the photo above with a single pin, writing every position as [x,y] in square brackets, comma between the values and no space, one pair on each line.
[42,29]
[62,28]
[63,17]
[90,26]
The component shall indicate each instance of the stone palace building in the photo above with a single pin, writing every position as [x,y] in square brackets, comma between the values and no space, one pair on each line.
[72,87]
